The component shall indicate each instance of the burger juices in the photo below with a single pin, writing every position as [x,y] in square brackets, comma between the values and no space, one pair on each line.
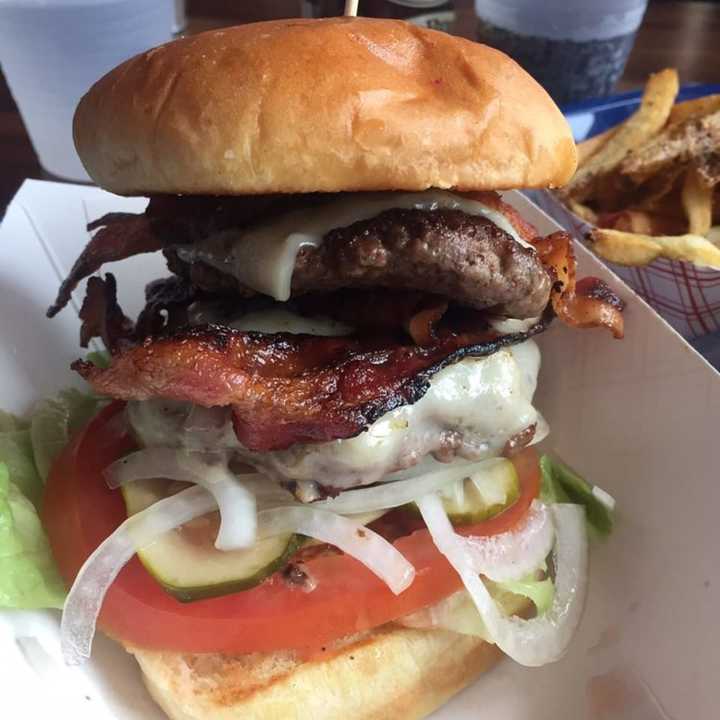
[320,439]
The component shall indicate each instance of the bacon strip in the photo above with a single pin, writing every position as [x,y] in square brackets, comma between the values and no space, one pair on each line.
[166,306]
[286,389]
[582,304]
[422,327]
[120,236]
[102,317]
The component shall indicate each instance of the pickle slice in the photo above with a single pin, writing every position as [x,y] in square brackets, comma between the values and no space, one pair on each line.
[187,564]
[483,494]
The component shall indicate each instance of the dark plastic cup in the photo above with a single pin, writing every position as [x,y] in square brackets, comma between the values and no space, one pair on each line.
[575,49]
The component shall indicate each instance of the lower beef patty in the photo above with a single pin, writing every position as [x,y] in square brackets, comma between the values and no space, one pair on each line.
[462,257]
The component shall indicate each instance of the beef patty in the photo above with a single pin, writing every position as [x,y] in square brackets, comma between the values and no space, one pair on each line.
[465,258]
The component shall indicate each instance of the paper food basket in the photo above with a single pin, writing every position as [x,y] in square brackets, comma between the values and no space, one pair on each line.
[686,296]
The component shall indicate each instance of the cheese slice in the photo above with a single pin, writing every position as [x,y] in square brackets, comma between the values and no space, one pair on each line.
[478,404]
[281,320]
[263,257]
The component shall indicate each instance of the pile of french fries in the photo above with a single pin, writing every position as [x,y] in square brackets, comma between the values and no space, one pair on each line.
[651,186]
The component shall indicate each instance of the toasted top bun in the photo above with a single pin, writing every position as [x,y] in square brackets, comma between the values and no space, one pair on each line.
[391,672]
[294,106]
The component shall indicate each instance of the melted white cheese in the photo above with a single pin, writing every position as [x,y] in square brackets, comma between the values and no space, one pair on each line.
[480,402]
[263,257]
[508,326]
[280,320]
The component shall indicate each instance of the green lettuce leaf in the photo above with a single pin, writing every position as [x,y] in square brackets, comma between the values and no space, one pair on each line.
[99,358]
[9,422]
[541,592]
[54,422]
[28,576]
[561,485]
[458,613]
[17,455]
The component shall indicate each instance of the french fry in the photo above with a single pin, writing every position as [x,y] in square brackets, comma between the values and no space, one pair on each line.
[697,201]
[657,101]
[690,248]
[652,178]
[694,108]
[589,147]
[626,248]
[679,144]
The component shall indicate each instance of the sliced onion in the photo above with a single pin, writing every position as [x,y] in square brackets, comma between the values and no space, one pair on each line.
[507,326]
[514,554]
[238,522]
[604,498]
[156,462]
[372,550]
[542,430]
[238,519]
[102,567]
[529,642]
[238,513]
[396,493]
[83,603]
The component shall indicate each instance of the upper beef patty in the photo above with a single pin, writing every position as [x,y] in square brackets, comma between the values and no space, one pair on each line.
[462,257]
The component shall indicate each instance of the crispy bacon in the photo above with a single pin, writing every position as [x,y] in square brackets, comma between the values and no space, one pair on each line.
[286,389]
[168,220]
[422,327]
[102,317]
[120,236]
[582,304]
[166,307]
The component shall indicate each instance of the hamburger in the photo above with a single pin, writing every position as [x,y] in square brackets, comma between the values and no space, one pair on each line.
[313,491]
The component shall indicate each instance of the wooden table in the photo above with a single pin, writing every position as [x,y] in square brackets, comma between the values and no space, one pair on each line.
[684,35]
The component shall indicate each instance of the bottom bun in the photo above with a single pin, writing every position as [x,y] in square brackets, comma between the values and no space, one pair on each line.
[391,672]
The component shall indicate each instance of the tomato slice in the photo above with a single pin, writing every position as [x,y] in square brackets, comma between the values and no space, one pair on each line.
[80,511]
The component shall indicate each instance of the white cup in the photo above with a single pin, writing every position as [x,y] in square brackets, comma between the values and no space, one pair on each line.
[52,51]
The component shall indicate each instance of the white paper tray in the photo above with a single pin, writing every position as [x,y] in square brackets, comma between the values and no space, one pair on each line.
[640,417]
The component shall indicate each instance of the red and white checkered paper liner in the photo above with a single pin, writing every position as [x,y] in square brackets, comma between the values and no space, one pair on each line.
[687,297]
